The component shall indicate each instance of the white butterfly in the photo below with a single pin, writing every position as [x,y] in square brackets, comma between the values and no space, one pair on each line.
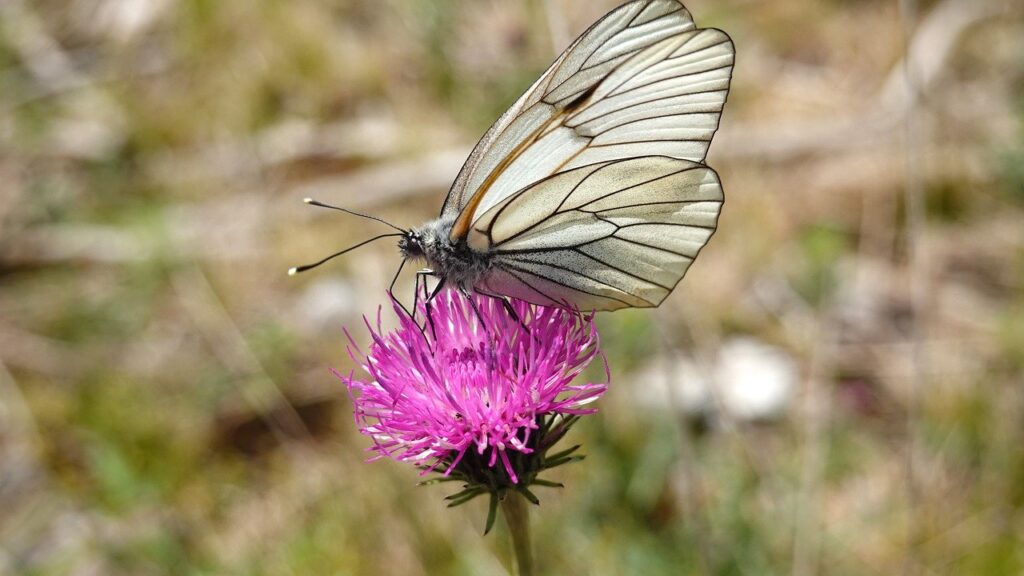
[591,190]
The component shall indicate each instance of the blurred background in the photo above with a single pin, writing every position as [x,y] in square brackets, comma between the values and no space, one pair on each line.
[835,388]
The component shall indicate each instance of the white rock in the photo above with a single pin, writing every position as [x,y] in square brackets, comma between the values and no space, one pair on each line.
[757,381]
[674,382]
[749,380]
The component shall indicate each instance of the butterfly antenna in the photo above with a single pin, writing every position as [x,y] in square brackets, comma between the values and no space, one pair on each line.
[297,269]
[320,204]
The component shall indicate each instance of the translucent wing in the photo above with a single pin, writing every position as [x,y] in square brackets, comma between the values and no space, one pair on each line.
[600,237]
[643,81]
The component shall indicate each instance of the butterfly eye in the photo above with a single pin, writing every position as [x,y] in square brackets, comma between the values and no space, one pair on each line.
[410,245]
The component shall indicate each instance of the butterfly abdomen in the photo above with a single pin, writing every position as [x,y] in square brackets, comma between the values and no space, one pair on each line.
[455,262]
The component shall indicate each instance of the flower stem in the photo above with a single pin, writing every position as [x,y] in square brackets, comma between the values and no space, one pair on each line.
[518,519]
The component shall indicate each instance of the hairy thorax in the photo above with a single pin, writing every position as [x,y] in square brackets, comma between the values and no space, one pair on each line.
[456,263]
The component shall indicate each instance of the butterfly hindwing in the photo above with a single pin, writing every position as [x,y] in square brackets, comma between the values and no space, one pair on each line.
[605,236]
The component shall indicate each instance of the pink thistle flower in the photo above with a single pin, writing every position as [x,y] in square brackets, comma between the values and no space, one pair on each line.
[480,403]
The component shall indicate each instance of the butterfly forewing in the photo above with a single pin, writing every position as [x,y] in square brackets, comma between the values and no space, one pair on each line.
[545,130]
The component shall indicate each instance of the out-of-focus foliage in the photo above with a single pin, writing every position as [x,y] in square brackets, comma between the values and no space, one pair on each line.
[165,400]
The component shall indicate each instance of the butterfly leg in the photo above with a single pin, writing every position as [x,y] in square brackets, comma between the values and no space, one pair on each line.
[476,310]
[508,307]
[483,326]
[421,275]
[515,316]
[430,298]
[391,292]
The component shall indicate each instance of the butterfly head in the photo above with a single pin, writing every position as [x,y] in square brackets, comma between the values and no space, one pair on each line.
[410,244]
[429,241]
[426,242]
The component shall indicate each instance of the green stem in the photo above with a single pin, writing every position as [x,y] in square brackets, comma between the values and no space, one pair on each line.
[518,519]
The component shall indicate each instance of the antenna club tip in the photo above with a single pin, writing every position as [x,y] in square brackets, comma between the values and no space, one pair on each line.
[293,271]
[308,200]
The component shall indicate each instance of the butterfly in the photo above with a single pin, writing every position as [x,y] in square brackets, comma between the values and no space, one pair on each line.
[591,191]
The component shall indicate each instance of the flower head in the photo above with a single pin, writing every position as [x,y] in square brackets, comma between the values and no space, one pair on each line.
[479,397]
